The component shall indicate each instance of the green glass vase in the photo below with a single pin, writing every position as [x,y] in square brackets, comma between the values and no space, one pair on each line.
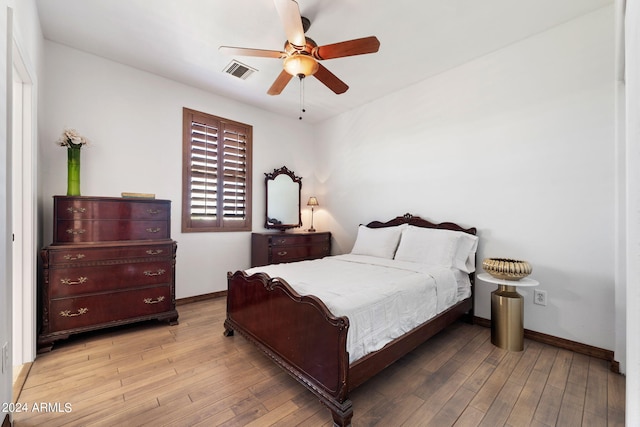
[73,171]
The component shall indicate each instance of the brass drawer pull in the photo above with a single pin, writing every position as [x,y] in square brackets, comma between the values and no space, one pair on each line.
[71,209]
[154,230]
[78,231]
[282,241]
[282,253]
[154,251]
[154,211]
[68,313]
[160,272]
[73,257]
[70,282]
[152,301]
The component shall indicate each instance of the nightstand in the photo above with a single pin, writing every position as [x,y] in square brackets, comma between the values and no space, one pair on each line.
[507,312]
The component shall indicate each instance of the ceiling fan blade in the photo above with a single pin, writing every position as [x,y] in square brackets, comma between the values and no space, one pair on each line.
[280,83]
[244,51]
[330,80]
[290,15]
[347,48]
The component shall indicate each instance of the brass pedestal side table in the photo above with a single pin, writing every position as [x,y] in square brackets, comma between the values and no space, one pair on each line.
[507,312]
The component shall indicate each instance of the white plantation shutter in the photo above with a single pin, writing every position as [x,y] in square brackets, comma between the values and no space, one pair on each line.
[204,171]
[216,174]
[234,186]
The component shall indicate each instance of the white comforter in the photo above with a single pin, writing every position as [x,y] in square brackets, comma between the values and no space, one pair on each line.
[382,298]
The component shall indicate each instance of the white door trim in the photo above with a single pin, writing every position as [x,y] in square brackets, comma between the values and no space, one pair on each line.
[24,203]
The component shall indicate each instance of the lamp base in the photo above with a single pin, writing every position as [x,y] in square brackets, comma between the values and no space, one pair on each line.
[312,229]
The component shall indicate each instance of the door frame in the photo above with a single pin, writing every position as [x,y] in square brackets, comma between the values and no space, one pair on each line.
[24,205]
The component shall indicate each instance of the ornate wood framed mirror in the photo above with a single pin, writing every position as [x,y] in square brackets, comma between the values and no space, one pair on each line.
[283,189]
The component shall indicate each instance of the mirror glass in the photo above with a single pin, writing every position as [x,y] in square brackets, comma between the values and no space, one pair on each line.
[283,199]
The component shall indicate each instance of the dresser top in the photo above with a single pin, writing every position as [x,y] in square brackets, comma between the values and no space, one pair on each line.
[290,233]
[105,198]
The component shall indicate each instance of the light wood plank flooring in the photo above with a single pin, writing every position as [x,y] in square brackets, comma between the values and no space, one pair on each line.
[190,374]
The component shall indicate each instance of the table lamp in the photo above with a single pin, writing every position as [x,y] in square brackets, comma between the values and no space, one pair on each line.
[312,202]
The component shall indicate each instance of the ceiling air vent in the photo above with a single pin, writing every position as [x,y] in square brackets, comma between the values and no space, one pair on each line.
[239,70]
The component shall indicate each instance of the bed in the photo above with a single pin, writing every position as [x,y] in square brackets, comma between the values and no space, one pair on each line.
[278,309]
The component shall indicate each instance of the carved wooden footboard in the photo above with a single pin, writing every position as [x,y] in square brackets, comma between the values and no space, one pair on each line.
[297,332]
[302,336]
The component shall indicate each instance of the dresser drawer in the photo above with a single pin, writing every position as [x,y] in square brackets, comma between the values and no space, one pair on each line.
[303,239]
[71,313]
[99,278]
[78,231]
[110,208]
[297,253]
[80,254]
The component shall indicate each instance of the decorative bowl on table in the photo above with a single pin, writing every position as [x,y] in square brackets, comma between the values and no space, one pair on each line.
[506,269]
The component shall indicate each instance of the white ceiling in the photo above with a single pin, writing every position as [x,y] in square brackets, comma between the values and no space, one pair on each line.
[179,39]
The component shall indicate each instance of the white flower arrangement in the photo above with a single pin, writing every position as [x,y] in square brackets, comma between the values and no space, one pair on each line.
[71,138]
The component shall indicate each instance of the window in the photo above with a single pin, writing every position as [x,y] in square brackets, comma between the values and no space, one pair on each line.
[216,173]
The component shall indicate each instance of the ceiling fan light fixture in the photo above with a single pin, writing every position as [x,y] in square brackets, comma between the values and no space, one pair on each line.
[300,63]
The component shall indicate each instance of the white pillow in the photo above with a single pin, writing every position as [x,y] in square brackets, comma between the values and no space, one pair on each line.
[378,242]
[465,259]
[432,246]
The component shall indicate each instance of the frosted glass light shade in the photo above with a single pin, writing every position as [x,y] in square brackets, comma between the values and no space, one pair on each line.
[298,63]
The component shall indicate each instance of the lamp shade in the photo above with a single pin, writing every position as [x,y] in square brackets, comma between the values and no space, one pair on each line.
[313,202]
[299,63]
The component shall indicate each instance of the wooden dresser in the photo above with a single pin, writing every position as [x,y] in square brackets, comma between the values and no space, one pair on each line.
[274,248]
[112,262]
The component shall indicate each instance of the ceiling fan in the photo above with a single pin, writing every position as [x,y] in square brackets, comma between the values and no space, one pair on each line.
[301,54]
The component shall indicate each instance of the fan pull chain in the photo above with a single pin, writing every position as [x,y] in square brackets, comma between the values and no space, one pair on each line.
[302,110]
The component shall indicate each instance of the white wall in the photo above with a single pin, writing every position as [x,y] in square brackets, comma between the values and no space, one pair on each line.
[133,120]
[518,143]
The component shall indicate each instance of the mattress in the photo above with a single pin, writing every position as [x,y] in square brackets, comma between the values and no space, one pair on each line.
[382,298]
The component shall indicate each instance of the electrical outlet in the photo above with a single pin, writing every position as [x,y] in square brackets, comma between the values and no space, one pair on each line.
[540,297]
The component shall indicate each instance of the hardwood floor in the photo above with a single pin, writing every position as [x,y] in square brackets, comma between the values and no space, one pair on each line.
[190,374]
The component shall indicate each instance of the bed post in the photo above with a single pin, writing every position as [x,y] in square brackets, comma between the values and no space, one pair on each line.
[472,279]
[470,316]
[341,413]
